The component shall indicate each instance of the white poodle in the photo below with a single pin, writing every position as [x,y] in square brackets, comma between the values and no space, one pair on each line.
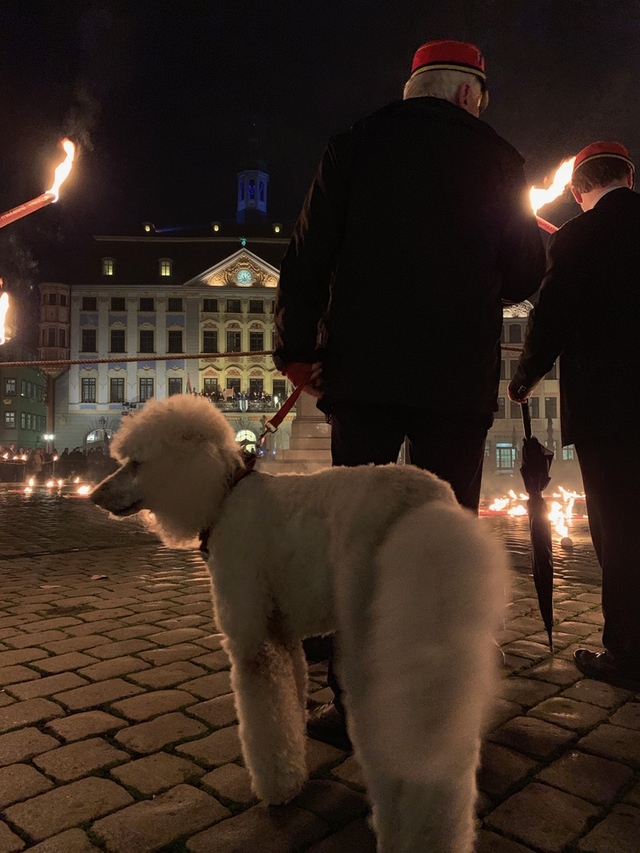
[385,557]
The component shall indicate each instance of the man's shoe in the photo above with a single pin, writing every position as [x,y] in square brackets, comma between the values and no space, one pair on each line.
[327,724]
[603,667]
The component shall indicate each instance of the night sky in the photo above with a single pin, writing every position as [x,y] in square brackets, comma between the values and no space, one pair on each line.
[163,96]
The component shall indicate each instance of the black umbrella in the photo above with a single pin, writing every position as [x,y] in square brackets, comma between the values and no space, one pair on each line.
[536,462]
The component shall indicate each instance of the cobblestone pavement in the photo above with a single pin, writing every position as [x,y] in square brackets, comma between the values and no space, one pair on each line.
[118,733]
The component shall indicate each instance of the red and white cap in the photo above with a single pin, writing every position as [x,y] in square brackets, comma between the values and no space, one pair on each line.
[602,149]
[450,55]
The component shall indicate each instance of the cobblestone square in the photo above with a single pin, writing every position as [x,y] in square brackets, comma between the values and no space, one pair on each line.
[118,731]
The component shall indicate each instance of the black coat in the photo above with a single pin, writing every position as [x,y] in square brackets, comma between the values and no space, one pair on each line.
[414,230]
[588,314]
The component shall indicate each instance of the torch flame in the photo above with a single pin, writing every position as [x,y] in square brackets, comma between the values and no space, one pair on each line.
[560,180]
[62,171]
[4,307]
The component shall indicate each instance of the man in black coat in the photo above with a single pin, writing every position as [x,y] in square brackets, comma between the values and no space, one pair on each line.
[588,314]
[415,229]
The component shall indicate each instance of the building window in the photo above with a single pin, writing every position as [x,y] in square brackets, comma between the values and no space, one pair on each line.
[233,342]
[256,306]
[568,453]
[209,341]
[505,455]
[256,341]
[165,268]
[9,420]
[53,299]
[279,390]
[534,406]
[23,420]
[174,303]
[175,385]
[551,407]
[256,387]
[89,303]
[146,389]
[9,387]
[515,333]
[515,410]
[174,341]
[503,369]
[147,341]
[23,387]
[108,266]
[210,306]
[233,384]
[210,387]
[116,389]
[62,337]
[118,303]
[500,413]
[513,366]
[89,337]
[147,303]
[51,337]
[553,373]
[88,390]
[63,299]
[234,306]
[117,342]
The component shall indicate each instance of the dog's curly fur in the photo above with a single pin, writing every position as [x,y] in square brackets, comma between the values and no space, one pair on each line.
[382,555]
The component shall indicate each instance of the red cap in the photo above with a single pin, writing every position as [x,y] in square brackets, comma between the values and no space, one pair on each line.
[448,55]
[602,149]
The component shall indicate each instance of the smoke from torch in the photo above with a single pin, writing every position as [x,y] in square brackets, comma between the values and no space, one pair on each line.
[540,197]
[61,173]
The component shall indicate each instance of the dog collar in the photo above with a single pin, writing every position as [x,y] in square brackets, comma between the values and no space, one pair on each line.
[248,467]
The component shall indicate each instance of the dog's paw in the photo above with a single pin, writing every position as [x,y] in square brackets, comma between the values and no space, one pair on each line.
[279,791]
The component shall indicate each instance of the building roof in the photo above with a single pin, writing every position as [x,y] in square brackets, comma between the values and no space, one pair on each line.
[136,258]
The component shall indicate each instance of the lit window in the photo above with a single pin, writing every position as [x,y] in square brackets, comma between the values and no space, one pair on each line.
[10,420]
[10,387]
[165,267]
[568,453]
[108,266]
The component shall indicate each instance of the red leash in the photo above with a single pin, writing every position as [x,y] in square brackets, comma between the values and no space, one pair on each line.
[273,423]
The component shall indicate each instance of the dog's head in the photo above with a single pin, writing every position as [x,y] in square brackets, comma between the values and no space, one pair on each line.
[178,458]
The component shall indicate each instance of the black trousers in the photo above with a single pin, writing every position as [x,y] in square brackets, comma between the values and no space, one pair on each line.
[452,447]
[611,474]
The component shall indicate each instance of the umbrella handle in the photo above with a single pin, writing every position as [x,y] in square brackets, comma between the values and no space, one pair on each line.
[526,419]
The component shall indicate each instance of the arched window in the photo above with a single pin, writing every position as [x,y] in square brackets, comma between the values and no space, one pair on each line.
[252,189]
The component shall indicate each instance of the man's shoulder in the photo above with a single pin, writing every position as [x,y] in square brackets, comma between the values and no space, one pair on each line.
[439,112]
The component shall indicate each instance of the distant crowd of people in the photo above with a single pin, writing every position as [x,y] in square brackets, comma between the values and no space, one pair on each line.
[90,465]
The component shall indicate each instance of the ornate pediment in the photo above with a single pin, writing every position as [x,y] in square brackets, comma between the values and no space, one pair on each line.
[242,269]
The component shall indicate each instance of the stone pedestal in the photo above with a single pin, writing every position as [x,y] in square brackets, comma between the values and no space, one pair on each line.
[310,439]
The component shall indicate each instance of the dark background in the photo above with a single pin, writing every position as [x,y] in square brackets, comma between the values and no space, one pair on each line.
[163,97]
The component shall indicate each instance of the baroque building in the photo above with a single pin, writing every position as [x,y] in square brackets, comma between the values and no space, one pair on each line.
[140,305]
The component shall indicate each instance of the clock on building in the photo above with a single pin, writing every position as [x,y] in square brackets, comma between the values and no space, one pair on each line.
[244,276]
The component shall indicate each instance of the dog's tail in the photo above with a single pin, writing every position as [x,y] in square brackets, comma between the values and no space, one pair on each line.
[437,596]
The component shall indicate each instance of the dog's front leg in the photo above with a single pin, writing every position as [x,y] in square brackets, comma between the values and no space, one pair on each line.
[270,699]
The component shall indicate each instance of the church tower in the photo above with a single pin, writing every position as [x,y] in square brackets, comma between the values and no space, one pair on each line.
[253,181]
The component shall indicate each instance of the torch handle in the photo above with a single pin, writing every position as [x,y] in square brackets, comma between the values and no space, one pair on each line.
[25,209]
[549,227]
[526,419]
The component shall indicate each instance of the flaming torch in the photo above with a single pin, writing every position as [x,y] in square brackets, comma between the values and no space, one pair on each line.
[51,195]
[541,197]
[4,307]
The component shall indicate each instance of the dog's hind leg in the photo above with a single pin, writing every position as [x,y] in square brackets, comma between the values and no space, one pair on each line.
[269,700]
[417,663]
